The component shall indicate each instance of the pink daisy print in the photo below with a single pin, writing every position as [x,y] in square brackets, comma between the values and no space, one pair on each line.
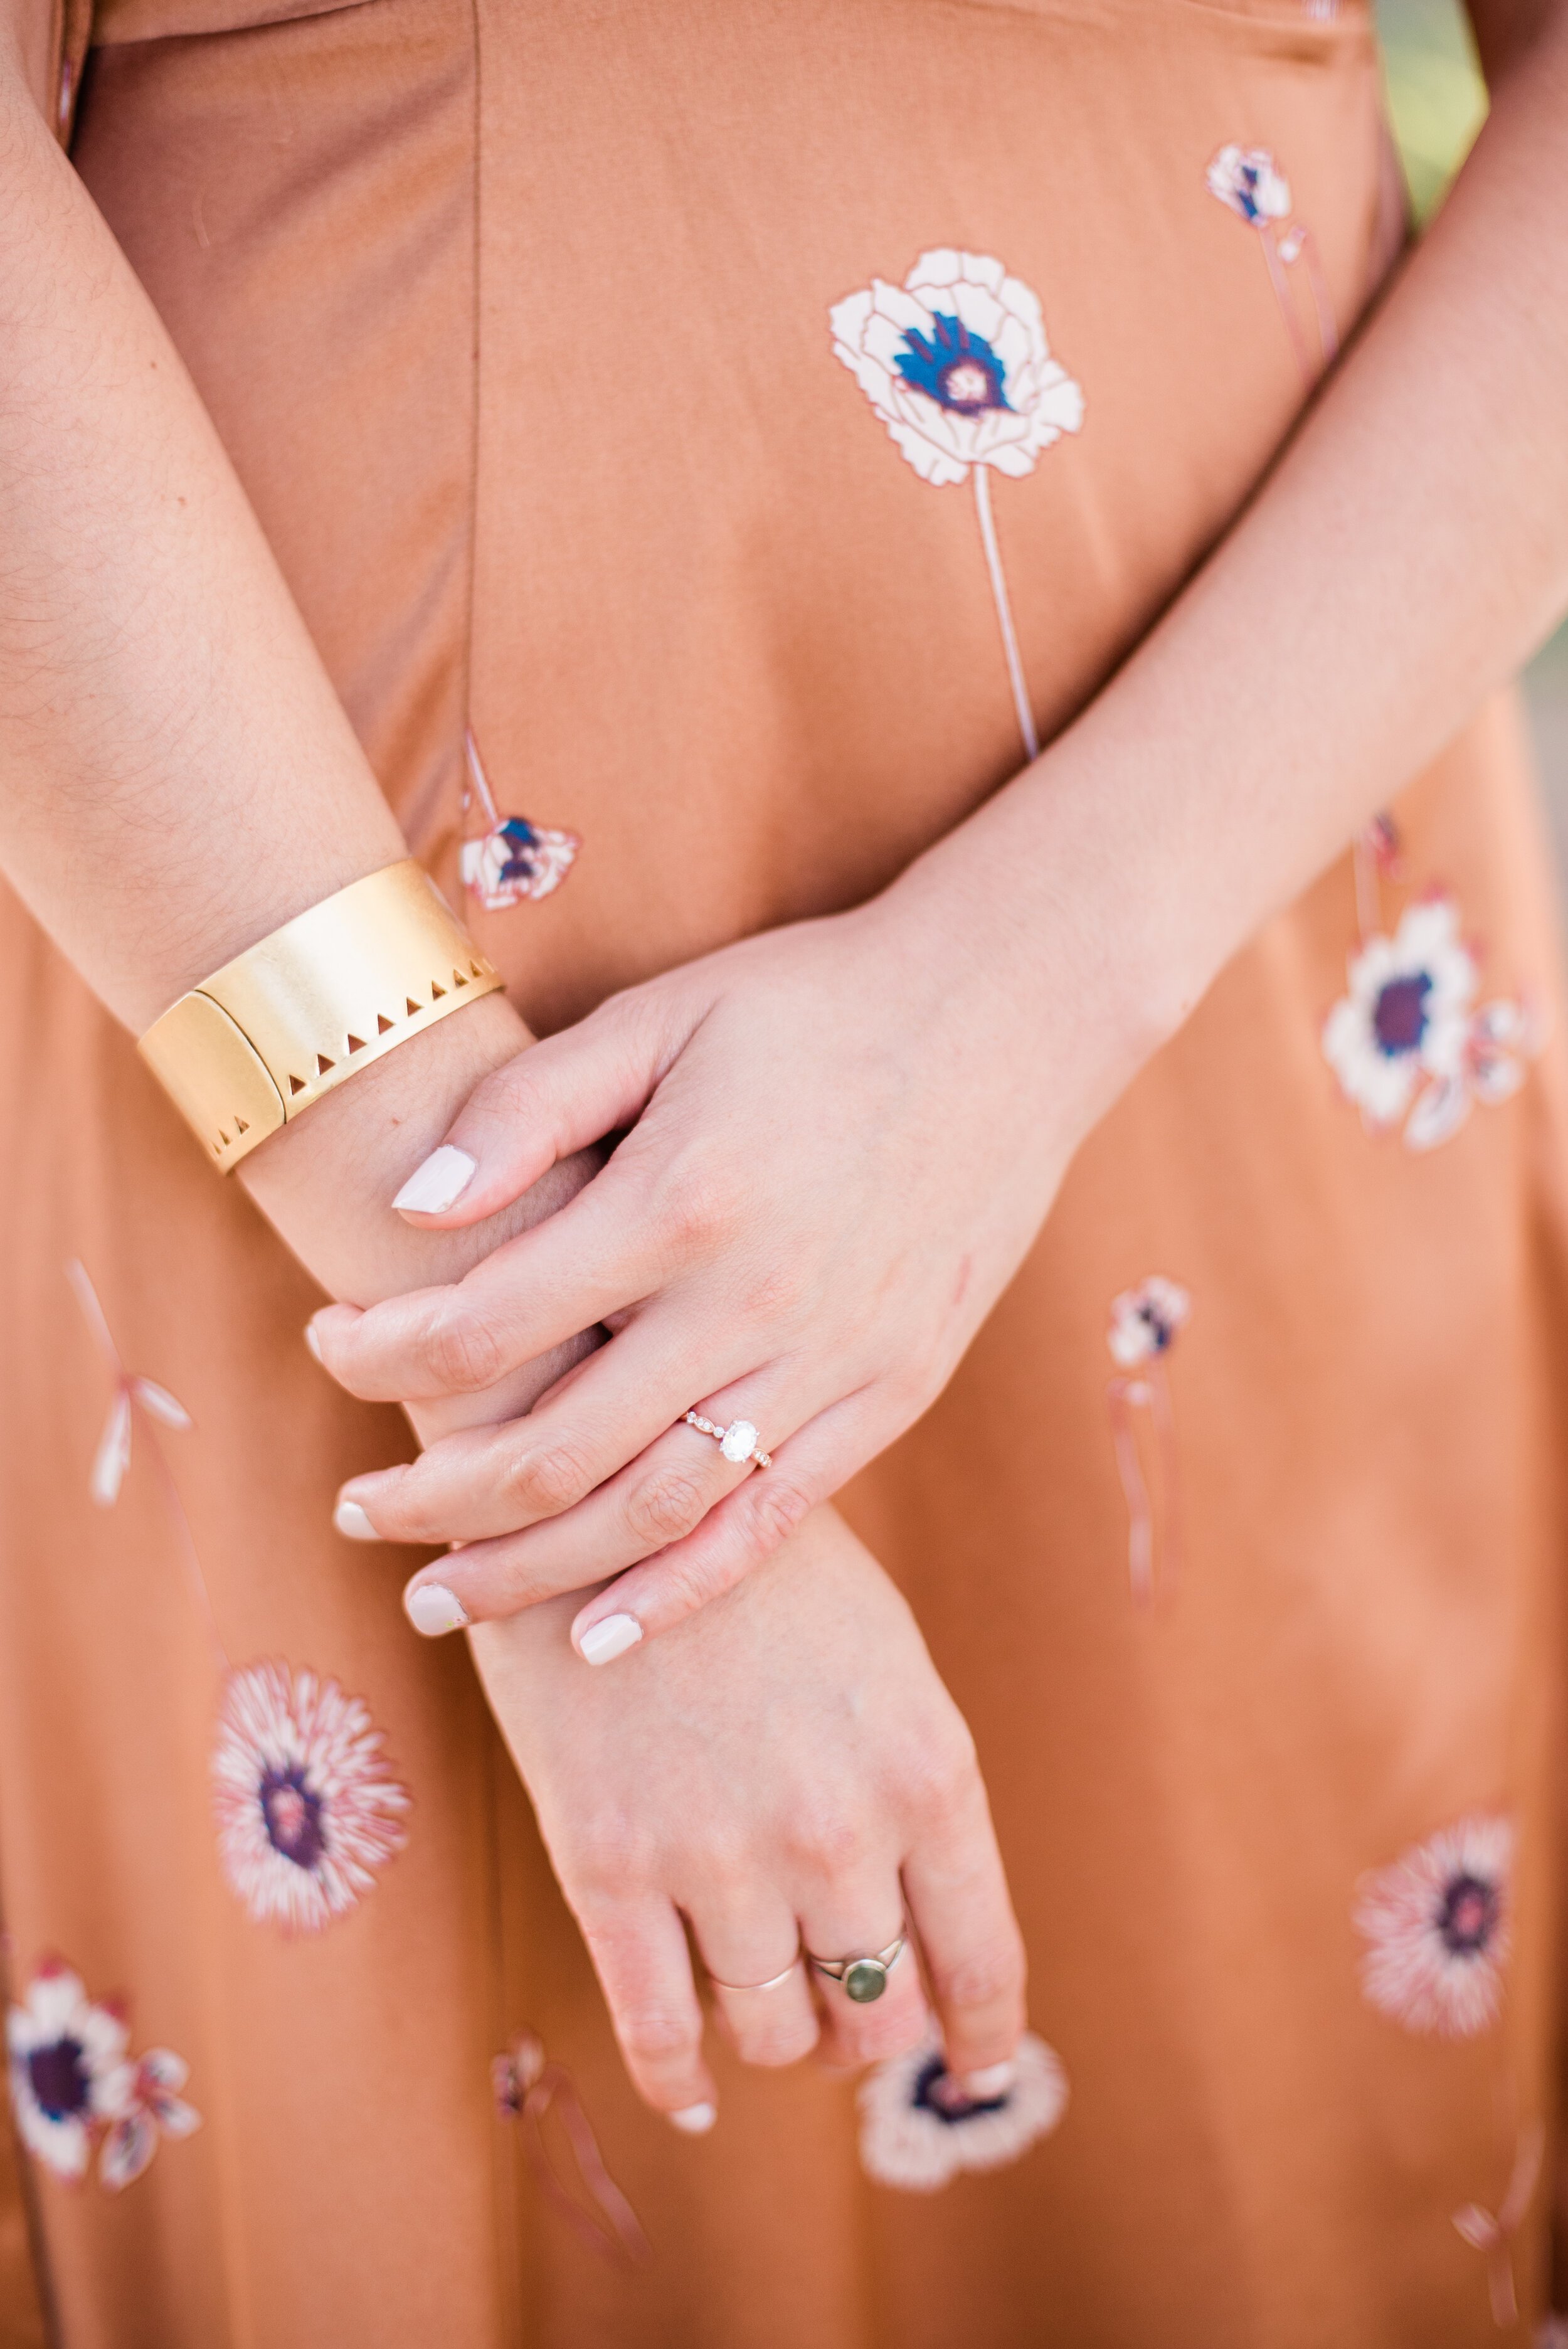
[1436,1926]
[306,1807]
[919,2131]
[75,2086]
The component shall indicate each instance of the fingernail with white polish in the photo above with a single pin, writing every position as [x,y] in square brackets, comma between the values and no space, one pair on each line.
[439,1182]
[697,2119]
[601,1644]
[433,1609]
[992,2081]
[312,1340]
[351,1522]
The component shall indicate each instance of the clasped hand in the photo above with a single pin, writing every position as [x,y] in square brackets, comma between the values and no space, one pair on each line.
[837,1144]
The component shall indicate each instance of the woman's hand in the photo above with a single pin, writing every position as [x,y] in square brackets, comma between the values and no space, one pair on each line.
[844,1137]
[785,1772]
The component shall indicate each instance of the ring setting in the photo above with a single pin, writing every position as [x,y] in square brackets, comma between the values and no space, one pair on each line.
[739,1442]
[863,1980]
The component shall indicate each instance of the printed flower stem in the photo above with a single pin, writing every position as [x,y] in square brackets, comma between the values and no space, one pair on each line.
[477,774]
[1287,309]
[1128,1397]
[1492,2233]
[1004,611]
[1321,302]
[527,2084]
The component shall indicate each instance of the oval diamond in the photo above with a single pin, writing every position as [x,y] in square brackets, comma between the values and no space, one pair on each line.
[738,1441]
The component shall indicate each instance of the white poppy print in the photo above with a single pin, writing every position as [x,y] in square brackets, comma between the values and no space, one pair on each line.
[512,861]
[1438,1930]
[1249,183]
[956,365]
[919,2131]
[306,1807]
[1407,1042]
[1144,1322]
[74,2084]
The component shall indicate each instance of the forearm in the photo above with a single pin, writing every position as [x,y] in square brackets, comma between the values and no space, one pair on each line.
[1407,554]
[179,776]
[166,726]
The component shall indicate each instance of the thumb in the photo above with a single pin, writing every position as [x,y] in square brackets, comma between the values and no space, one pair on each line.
[552,1100]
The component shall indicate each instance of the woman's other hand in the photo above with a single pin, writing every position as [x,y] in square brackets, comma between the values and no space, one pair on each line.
[844,1135]
[785,1772]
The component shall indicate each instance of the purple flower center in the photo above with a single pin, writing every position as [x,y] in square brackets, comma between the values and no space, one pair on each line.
[1400,1014]
[294,1816]
[936,2091]
[59,2078]
[521,842]
[1467,1916]
[956,368]
[1161,1331]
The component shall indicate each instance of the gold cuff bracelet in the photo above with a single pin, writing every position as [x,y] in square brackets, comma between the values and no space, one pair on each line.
[321,998]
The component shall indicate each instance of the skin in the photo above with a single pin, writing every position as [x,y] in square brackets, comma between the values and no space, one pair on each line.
[166,726]
[839,1157]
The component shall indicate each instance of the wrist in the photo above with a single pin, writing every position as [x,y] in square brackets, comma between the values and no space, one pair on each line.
[1051,926]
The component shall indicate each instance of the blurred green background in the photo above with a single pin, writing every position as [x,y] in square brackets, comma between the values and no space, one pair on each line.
[1437,103]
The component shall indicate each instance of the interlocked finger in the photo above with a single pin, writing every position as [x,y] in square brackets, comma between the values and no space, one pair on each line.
[661,1497]
[601,1418]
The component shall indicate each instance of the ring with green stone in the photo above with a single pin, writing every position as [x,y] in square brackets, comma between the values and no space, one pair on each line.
[863,1979]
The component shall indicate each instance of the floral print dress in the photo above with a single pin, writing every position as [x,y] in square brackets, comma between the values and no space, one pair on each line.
[712,448]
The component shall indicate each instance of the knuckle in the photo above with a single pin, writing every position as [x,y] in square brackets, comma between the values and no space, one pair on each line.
[652,2033]
[553,1477]
[461,1352]
[773,2045]
[665,1508]
[873,2036]
[776,1293]
[776,1507]
[686,1587]
[831,1839]
[984,1976]
[699,1209]
[608,1854]
[939,1774]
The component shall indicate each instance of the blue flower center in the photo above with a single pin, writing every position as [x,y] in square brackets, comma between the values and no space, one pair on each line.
[1467,1916]
[521,840]
[1400,1014]
[935,2091]
[293,1816]
[59,2078]
[955,367]
[1248,192]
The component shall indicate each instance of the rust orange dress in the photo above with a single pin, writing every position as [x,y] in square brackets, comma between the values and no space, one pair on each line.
[760,420]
